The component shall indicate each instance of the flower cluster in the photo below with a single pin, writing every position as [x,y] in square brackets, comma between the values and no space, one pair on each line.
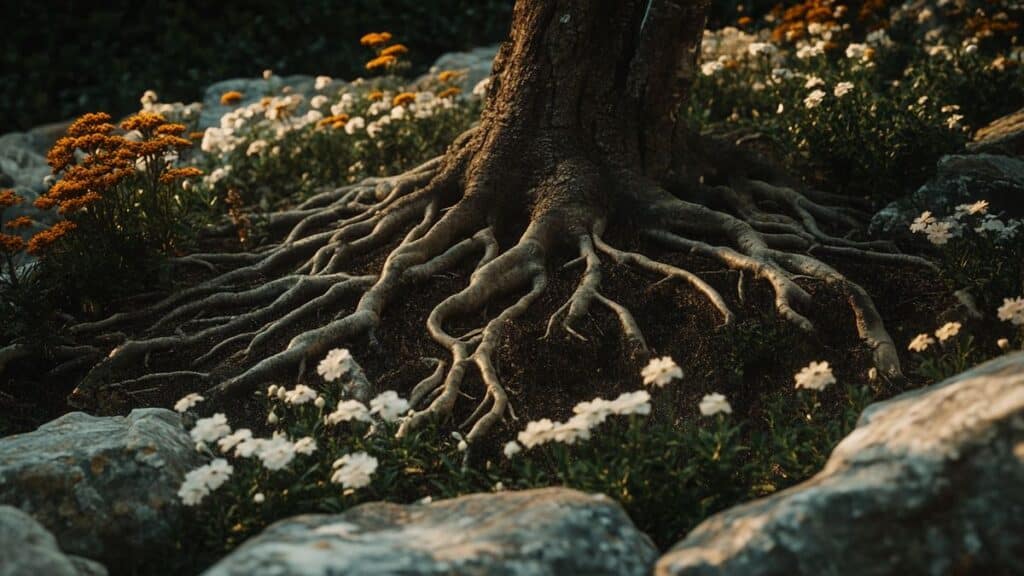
[966,217]
[387,56]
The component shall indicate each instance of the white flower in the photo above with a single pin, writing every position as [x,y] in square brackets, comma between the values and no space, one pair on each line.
[1012,311]
[661,371]
[536,432]
[872,374]
[201,481]
[282,393]
[858,52]
[354,124]
[272,418]
[480,89]
[813,82]
[267,74]
[758,48]
[148,98]
[300,395]
[258,498]
[237,437]
[388,405]
[713,404]
[334,364]
[954,120]
[348,410]
[305,445]
[979,207]
[947,331]
[1003,343]
[939,233]
[462,446]
[318,101]
[596,410]
[627,403]
[187,402]
[577,428]
[210,429]
[398,112]
[256,147]
[970,49]
[319,402]
[814,99]
[354,470]
[322,82]
[781,108]
[710,68]
[920,343]
[272,390]
[815,376]
[276,453]
[842,89]
[922,222]
[512,448]
[249,447]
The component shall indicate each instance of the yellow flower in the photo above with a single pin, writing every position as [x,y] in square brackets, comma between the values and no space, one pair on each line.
[449,92]
[403,98]
[231,98]
[381,62]
[375,38]
[375,95]
[449,75]
[394,50]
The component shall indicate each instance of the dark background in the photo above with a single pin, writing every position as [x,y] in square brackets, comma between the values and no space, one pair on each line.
[64,58]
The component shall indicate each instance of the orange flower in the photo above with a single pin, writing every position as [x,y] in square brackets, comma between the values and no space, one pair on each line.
[448,75]
[44,239]
[196,135]
[403,98]
[91,123]
[375,95]
[76,204]
[9,198]
[380,62]
[745,21]
[375,38]
[394,50]
[144,122]
[231,97]
[170,129]
[180,174]
[10,244]
[19,223]
[333,121]
[449,92]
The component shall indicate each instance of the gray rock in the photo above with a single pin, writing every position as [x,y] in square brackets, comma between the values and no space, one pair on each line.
[552,531]
[959,179]
[930,482]
[26,548]
[106,487]
[1003,136]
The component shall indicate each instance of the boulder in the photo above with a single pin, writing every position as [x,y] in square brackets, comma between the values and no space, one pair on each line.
[930,482]
[28,548]
[105,486]
[1003,136]
[959,179]
[552,531]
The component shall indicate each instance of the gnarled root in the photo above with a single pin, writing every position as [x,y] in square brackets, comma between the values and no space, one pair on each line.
[443,214]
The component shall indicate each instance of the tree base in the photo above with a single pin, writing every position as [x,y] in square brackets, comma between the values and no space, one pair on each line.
[456,209]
